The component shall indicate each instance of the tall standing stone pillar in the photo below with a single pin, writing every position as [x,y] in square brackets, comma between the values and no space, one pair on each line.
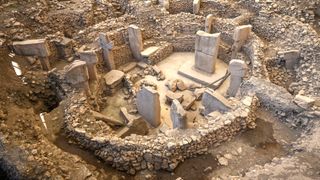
[196,6]
[237,69]
[240,36]
[91,59]
[35,47]
[206,50]
[107,53]
[135,41]
[148,104]
[77,75]
[209,23]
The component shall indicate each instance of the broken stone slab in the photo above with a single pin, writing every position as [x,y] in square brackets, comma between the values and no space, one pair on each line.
[188,101]
[291,58]
[149,51]
[198,93]
[114,78]
[109,120]
[128,67]
[142,65]
[237,69]
[148,104]
[196,6]
[34,47]
[135,41]
[127,116]
[304,101]
[213,101]
[206,51]
[137,126]
[170,96]
[178,115]
[107,46]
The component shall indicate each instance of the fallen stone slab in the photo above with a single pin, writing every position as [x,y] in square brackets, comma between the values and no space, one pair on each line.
[270,95]
[213,101]
[304,101]
[127,116]
[188,101]
[109,120]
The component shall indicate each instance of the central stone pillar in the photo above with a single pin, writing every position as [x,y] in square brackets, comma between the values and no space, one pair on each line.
[91,59]
[148,104]
[237,69]
[206,50]
[135,41]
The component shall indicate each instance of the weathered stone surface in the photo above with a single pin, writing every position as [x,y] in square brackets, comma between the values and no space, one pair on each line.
[107,119]
[206,50]
[237,69]
[188,101]
[209,23]
[304,101]
[107,46]
[135,41]
[198,93]
[149,51]
[35,47]
[77,72]
[241,33]
[270,95]
[148,104]
[128,118]
[91,59]
[291,58]
[196,6]
[113,78]
[178,115]
[170,96]
[213,101]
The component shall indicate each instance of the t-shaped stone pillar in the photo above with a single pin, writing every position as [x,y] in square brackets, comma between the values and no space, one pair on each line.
[178,115]
[209,23]
[135,41]
[237,69]
[35,47]
[77,75]
[91,59]
[241,34]
[207,48]
[148,104]
[107,46]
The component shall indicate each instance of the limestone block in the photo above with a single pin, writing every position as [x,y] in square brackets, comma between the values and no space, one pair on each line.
[213,101]
[107,46]
[148,104]
[237,67]
[91,59]
[35,47]
[241,33]
[113,78]
[205,62]
[76,72]
[135,41]
[291,58]
[149,51]
[196,6]
[207,43]
[178,115]
[170,96]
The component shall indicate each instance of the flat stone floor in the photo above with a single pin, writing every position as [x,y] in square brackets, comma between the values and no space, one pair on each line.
[170,67]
